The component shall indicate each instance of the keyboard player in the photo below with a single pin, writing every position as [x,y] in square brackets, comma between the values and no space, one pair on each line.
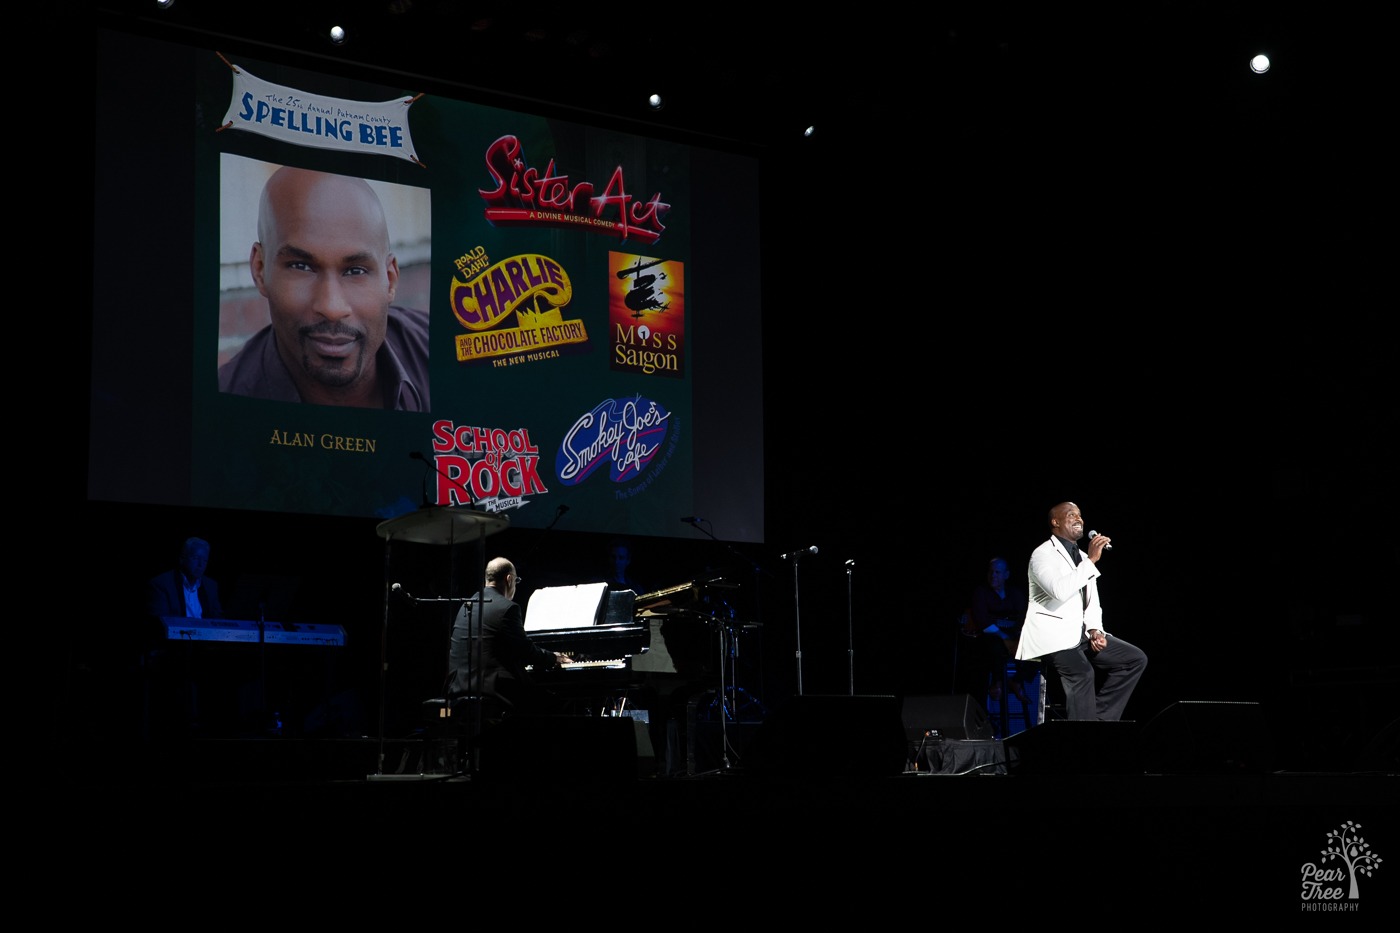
[500,675]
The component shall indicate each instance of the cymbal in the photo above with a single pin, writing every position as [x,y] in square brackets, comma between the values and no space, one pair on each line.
[442,525]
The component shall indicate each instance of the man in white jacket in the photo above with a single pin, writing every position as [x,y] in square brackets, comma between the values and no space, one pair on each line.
[1064,622]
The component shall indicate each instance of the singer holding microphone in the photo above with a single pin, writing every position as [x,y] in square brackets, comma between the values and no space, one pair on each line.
[1064,627]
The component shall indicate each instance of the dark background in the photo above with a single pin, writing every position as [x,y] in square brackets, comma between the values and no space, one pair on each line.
[1025,258]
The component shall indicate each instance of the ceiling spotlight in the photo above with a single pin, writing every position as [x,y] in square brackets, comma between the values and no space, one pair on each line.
[165,4]
[654,101]
[809,131]
[1259,63]
[337,35]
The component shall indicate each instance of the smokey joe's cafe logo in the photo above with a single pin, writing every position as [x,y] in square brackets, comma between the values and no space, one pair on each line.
[624,434]
[1332,883]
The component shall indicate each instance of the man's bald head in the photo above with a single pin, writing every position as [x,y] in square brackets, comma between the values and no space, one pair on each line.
[326,198]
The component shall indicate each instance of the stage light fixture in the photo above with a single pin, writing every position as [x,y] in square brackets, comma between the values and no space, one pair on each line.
[337,35]
[165,4]
[655,102]
[1259,63]
[809,131]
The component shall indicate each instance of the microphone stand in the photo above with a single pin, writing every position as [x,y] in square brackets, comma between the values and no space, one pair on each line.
[850,628]
[797,619]
[264,721]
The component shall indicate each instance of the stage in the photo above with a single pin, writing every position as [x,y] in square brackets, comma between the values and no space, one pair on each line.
[1204,838]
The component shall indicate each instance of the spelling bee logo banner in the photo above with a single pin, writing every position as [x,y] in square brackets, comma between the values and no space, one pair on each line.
[293,116]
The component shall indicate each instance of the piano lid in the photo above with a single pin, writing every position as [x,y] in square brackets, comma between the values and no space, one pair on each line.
[682,593]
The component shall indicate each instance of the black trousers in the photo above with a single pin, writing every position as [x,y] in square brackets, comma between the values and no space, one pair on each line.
[1120,662]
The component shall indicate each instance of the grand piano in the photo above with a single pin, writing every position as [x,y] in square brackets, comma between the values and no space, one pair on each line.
[596,626]
[617,638]
[591,622]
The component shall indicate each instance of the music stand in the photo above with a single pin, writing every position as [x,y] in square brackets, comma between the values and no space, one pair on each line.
[449,525]
[726,627]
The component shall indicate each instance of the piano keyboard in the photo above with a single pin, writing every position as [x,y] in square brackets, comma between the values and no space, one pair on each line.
[596,663]
[592,664]
[179,628]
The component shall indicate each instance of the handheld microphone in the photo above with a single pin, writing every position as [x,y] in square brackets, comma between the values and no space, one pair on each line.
[796,554]
[1094,534]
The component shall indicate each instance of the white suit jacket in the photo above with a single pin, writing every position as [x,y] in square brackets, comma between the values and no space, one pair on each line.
[1056,615]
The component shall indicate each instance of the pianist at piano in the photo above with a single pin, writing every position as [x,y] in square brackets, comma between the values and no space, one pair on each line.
[504,652]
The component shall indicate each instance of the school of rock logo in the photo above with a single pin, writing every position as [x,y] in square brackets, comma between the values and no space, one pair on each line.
[624,434]
[493,468]
[531,286]
[1332,884]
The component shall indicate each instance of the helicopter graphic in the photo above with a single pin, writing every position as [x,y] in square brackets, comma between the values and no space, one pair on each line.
[643,296]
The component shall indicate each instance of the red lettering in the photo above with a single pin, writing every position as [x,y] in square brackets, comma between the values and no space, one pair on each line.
[484,481]
[510,469]
[530,476]
[450,489]
[502,158]
[442,436]
[520,189]
[608,199]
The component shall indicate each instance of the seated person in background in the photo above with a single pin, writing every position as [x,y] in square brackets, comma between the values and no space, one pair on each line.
[994,620]
[179,702]
[498,674]
[619,574]
[186,591]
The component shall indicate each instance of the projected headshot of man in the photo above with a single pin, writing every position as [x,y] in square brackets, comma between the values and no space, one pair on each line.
[323,262]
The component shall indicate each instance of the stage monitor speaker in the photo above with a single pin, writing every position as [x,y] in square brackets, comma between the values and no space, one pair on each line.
[830,735]
[555,749]
[1206,737]
[1067,746]
[952,717]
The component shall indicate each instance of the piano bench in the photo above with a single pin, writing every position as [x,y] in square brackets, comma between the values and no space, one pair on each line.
[455,716]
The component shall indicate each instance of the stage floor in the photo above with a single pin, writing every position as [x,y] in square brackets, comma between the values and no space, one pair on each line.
[321,809]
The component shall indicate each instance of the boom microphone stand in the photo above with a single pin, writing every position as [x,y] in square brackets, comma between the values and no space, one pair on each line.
[794,556]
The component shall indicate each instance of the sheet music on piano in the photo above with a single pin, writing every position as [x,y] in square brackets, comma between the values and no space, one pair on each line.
[556,607]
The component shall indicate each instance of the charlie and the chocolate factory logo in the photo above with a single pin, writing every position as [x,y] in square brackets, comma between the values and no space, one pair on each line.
[496,469]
